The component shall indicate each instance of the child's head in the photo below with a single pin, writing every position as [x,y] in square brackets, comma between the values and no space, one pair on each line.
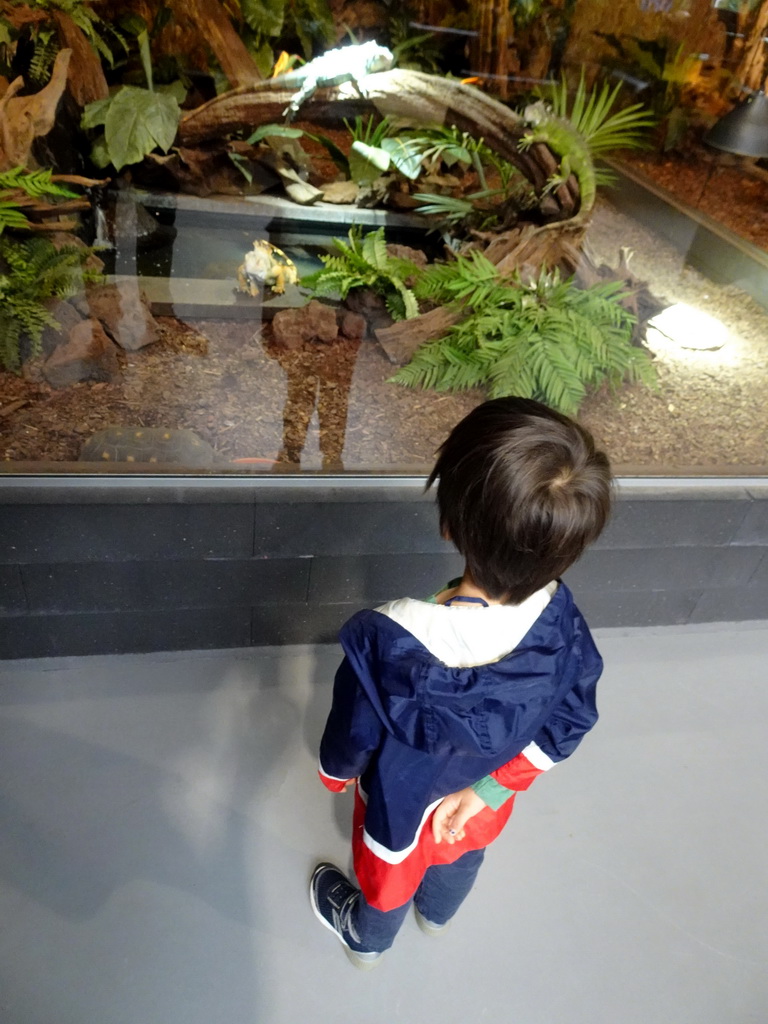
[522,492]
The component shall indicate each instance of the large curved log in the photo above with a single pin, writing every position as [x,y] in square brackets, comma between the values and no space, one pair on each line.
[418,97]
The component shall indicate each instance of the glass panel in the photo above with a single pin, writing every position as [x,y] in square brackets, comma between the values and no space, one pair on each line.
[200,351]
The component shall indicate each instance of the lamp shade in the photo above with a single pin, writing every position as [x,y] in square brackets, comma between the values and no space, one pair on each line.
[743,131]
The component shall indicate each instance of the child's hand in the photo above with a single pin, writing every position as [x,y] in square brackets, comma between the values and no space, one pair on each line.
[350,782]
[452,814]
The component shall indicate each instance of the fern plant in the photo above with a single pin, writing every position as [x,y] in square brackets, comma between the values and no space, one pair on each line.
[33,271]
[18,182]
[43,34]
[546,339]
[363,262]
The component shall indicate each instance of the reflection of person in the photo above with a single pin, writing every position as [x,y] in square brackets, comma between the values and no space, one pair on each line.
[443,709]
[316,373]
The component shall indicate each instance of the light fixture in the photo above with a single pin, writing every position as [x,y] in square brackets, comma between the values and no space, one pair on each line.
[744,130]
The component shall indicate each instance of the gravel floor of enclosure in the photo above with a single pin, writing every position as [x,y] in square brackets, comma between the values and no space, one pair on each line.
[332,405]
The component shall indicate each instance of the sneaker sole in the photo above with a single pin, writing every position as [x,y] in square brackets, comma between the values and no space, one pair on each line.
[354,958]
[434,931]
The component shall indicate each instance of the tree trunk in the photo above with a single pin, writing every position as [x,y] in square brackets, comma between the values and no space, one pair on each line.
[86,79]
[215,27]
[490,51]
[751,70]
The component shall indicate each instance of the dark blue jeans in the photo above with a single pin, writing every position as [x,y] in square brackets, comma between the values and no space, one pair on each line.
[442,891]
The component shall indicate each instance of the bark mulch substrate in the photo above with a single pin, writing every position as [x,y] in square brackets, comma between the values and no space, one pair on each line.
[224,380]
[722,186]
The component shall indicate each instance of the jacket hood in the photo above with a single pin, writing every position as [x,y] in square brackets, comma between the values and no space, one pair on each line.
[478,711]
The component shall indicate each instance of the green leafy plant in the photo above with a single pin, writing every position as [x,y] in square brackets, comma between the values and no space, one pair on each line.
[419,52]
[592,115]
[663,66]
[489,206]
[34,23]
[18,182]
[543,339]
[135,121]
[33,271]
[376,146]
[363,262]
[309,22]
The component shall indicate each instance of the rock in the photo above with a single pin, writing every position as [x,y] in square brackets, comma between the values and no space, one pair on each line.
[87,355]
[68,318]
[340,192]
[125,314]
[352,325]
[313,322]
[405,252]
[371,306]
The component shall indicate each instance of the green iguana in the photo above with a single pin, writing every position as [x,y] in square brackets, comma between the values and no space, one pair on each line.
[344,64]
[569,144]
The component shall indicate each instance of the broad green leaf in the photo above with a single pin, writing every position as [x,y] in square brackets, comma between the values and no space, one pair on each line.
[176,89]
[99,153]
[146,58]
[264,16]
[264,59]
[405,154]
[274,129]
[95,113]
[137,122]
[366,163]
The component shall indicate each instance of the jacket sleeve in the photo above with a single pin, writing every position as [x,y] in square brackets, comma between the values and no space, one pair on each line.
[556,740]
[352,732]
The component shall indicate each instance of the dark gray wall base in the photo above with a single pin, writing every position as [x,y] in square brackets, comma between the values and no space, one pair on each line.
[94,566]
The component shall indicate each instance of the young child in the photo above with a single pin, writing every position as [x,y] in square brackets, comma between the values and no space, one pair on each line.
[444,709]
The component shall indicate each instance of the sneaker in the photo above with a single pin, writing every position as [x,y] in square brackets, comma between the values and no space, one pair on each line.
[429,927]
[333,898]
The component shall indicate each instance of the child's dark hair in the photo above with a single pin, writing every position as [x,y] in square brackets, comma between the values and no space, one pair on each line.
[522,491]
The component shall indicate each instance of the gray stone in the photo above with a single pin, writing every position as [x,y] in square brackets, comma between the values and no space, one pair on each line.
[125,314]
[68,318]
[87,355]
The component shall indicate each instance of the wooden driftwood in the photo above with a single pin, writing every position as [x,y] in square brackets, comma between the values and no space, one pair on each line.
[418,97]
[212,21]
[24,118]
[401,340]
[85,76]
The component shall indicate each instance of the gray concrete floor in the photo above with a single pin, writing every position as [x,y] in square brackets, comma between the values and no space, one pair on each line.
[159,817]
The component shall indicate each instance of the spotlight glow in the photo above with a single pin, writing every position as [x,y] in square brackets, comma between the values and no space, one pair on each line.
[688,327]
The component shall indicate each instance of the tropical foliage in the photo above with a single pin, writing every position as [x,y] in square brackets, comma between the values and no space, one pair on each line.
[494,203]
[603,129]
[33,271]
[18,183]
[544,339]
[308,22]
[363,262]
[663,67]
[35,21]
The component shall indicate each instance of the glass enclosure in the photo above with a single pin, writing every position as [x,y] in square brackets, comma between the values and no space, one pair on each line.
[315,255]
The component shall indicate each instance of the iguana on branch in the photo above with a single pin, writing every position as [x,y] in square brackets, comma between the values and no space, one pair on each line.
[344,64]
[569,145]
